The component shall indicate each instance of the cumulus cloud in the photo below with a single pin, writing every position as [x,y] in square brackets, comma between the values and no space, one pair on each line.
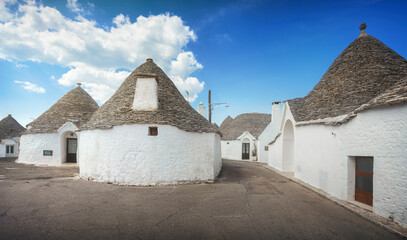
[74,6]
[38,33]
[100,83]
[30,87]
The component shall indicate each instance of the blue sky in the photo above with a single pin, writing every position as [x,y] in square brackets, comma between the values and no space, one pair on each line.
[249,53]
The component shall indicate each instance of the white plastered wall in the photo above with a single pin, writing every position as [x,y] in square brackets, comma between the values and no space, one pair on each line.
[232,149]
[127,155]
[324,157]
[269,134]
[9,141]
[33,145]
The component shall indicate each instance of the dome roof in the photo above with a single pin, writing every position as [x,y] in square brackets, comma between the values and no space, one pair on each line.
[76,106]
[254,123]
[366,69]
[172,110]
[10,128]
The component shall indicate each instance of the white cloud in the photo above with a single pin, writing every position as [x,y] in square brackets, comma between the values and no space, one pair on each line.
[100,83]
[39,33]
[74,6]
[189,87]
[30,87]
[184,65]
[5,14]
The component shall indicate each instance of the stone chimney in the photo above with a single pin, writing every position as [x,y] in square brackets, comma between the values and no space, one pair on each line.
[201,109]
[275,112]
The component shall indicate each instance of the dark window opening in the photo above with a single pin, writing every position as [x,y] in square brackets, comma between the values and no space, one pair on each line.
[10,149]
[152,131]
[266,148]
[47,152]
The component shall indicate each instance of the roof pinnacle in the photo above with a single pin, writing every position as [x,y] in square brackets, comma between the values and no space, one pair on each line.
[79,84]
[362,27]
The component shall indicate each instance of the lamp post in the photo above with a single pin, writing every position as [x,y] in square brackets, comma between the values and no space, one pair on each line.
[212,105]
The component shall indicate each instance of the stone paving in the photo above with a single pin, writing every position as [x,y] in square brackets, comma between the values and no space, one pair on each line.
[248,201]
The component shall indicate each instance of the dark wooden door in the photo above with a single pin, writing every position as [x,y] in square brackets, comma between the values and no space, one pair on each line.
[245,150]
[71,145]
[364,180]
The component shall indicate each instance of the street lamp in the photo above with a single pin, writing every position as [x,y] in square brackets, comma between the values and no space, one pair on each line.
[212,105]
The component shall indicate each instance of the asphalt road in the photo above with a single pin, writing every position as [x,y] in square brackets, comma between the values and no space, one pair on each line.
[247,202]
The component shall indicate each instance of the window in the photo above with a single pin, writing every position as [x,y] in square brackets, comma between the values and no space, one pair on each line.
[152,131]
[266,148]
[47,152]
[10,149]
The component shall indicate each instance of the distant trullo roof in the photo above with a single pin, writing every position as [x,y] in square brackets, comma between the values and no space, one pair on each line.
[10,128]
[254,123]
[366,74]
[172,110]
[225,123]
[76,106]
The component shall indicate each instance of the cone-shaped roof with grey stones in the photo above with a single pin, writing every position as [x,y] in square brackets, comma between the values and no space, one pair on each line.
[172,110]
[10,128]
[225,123]
[76,106]
[254,123]
[363,72]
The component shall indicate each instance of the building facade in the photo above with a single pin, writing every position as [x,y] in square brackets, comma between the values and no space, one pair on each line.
[148,134]
[10,132]
[348,136]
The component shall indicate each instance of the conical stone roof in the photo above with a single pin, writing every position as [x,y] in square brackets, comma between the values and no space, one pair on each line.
[76,106]
[254,123]
[172,110]
[225,123]
[10,128]
[366,69]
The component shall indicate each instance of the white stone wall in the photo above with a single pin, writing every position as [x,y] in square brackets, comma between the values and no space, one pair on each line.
[15,142]
[232,149]
[127,155]
[264,139]
[32,146]
[324,157]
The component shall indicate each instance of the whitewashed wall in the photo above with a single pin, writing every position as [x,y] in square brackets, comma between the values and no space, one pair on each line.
[264,139]
[269,133]
[14,141]
[232,149]
[32,146]
[324,157]
[127,155]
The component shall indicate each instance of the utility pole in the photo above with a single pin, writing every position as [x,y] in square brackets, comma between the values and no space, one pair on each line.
[209,106]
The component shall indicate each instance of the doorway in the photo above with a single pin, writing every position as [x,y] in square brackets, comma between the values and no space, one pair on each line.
[72,146]
[246,149]
[364,180]
[288,147]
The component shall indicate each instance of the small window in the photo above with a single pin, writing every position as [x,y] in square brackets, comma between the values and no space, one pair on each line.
[266,148]
[227,143]
[47,153]
[152,131]
[10,149]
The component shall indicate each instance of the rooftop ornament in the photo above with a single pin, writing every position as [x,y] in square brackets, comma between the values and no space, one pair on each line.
[362,27]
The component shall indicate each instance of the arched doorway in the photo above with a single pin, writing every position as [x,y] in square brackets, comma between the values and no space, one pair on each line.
[246,149]
[288,147]
[69,146]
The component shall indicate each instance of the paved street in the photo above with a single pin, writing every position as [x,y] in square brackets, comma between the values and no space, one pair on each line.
[247,202]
